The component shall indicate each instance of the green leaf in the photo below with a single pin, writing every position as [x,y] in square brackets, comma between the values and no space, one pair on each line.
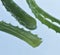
[20,33]
[19,14]
[42,16]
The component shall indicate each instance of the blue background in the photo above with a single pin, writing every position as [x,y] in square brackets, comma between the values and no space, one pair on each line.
[10,45]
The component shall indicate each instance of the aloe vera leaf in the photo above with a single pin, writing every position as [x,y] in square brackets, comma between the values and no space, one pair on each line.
[20,33]
[41,18]
[41,11]
[19,14]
